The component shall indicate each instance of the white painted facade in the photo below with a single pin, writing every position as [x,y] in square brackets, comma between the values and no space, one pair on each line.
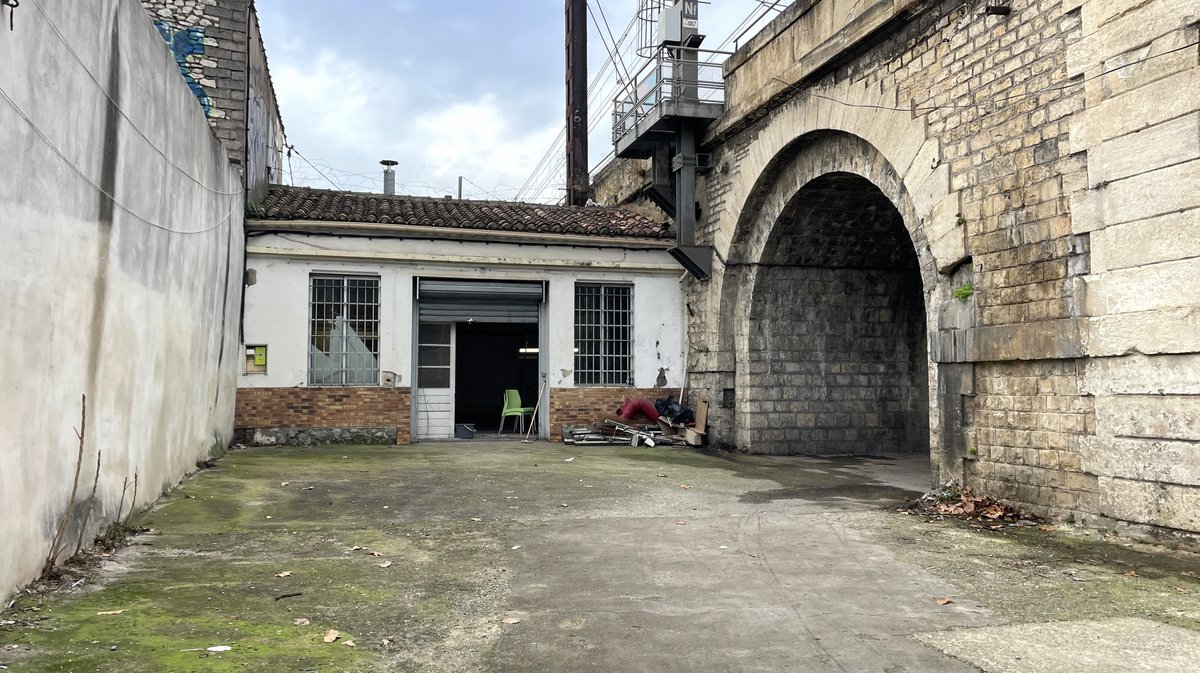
[277,305]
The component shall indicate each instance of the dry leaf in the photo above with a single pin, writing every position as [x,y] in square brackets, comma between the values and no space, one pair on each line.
[1047,529]
[301,622]
[1190,573]
[511,620]
[1182,590]
[286,573]
[109,612]
[308,488]
[386,642]
[660,475]
[284,483]
[476,519]
[943,601]
[332,635]
[1131,573]
[686,487]
[563,504]
[356,548]
[374,553]
[680,523]
[349,643]
[385,564]
[219,648]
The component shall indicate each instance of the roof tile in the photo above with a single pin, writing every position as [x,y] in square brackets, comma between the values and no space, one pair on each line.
[304,203]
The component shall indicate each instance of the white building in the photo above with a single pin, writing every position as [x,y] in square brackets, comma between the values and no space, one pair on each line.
[373,317]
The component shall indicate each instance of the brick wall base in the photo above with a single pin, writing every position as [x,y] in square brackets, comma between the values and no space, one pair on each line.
[349,407]
[579,406]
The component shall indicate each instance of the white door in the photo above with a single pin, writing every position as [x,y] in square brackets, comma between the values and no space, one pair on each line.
[435,381]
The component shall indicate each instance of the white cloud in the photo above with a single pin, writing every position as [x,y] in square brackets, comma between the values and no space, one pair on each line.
[476,139]
[345,115]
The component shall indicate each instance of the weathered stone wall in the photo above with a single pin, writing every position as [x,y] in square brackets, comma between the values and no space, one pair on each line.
[837,364]
[122,226]
[1045,166]
[220,52]
[1028,425]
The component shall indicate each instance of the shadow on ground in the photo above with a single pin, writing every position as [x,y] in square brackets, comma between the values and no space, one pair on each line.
[602,558]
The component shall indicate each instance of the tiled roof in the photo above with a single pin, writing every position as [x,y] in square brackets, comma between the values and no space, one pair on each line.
[303,203]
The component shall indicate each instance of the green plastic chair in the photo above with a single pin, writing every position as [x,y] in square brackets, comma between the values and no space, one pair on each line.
[512,407]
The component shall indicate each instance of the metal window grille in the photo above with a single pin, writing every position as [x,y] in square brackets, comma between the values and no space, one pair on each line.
[603,335]
[343,330]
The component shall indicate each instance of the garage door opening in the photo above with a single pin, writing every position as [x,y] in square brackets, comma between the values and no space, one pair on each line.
[474,340]
[493,358]
[837,356]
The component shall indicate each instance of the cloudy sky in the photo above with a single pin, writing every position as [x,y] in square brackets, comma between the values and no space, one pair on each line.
[445,87]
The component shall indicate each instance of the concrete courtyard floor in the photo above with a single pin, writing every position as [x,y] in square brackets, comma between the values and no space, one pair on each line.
[612,559]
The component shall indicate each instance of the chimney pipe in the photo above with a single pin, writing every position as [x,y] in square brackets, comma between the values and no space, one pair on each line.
[389,176]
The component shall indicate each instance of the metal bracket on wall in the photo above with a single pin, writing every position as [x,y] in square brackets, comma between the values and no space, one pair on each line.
[12,7]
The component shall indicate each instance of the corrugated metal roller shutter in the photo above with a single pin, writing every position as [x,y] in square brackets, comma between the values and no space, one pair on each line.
[480,301]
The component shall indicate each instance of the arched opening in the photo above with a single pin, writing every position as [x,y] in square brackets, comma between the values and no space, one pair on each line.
[836,358]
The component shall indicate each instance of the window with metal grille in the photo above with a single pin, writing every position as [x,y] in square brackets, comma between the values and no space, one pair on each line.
[343,331]
[603,335]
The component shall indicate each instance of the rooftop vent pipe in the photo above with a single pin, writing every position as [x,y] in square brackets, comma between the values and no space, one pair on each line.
[389,176]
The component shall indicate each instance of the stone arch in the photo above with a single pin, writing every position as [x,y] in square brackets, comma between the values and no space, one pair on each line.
[810,179]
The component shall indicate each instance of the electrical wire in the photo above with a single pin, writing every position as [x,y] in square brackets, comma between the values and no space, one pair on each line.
[614,55]
[99,188]
[335,185]
[545,171]
[116,104]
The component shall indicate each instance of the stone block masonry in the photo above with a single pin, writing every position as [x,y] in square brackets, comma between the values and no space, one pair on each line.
[1029,421]
[280,409]
[208,39]
[220,52]
[1045,166]
[836,365]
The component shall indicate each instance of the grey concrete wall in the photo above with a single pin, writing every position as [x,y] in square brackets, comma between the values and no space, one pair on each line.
[122,223]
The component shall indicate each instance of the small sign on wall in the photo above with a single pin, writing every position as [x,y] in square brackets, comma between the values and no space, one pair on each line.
[256,359]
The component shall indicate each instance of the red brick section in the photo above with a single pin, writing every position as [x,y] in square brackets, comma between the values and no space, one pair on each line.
[577,406]
[325,408]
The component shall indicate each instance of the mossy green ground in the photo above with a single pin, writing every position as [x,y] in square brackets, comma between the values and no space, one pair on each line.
[451,519]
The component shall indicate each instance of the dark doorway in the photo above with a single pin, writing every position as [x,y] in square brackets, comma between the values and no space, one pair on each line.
[491,358]
[837,330]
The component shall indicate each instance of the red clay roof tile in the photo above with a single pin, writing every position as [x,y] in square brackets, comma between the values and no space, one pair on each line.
[305,203]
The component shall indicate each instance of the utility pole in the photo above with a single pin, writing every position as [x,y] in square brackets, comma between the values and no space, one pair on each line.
[577,112]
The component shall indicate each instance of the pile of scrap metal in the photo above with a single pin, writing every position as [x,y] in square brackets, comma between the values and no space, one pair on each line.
[674,424]
[612,433]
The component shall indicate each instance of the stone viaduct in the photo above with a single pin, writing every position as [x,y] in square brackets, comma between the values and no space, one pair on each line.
[941,229]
